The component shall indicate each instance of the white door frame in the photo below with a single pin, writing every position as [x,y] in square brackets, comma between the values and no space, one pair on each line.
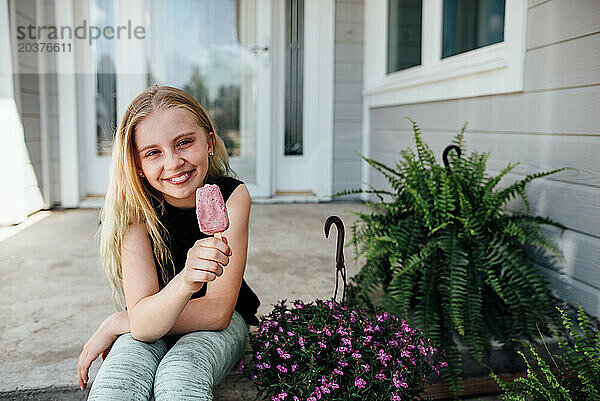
[313,171]
[131,80]
[263,186]
[67,113]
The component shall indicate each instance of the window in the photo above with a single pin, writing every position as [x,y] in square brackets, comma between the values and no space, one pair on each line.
[404,34]
[105,55]
[294,61]
[471,24]
[420,51]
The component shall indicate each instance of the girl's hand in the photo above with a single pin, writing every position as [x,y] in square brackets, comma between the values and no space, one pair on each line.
[100,343]
[205,261]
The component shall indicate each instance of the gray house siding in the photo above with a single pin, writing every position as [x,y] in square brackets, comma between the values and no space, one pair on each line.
[29,93]
[553,123]
[52,116]
[347,117]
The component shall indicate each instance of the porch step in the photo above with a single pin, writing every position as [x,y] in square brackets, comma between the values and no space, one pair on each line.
[233,388]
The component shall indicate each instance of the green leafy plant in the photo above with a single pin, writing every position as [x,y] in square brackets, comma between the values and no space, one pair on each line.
[330,351]
[449,256]
[573,375]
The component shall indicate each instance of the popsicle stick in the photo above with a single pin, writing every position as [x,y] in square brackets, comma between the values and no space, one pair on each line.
[219,236]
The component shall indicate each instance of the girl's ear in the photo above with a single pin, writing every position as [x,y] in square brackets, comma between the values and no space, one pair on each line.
[212,138]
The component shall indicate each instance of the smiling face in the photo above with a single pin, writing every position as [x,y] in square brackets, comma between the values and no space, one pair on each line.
[172,152]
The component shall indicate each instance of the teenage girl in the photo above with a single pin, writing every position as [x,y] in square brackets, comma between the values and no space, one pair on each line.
[184,305]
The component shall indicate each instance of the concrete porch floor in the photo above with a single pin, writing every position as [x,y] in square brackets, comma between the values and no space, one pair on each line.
[54,295]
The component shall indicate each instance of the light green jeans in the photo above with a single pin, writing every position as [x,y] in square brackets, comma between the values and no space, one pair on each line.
[198,361]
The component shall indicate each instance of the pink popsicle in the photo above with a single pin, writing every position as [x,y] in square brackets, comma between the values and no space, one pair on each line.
[211,210]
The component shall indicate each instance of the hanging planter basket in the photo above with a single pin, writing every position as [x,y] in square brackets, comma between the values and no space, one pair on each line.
[330,350]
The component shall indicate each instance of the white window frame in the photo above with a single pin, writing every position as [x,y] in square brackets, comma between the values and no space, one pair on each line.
[493,69]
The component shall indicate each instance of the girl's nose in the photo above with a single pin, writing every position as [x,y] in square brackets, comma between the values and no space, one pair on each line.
[173,161]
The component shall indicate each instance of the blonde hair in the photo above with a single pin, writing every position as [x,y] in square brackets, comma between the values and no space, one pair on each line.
[131,200]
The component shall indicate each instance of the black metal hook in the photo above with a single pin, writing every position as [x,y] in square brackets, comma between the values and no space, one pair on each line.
[445,154]
[339,255]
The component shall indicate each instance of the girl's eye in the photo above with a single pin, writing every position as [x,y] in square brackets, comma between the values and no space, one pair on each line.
[151,153]
[184,142]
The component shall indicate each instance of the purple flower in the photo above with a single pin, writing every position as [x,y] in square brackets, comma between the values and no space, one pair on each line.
[338,372]
[283,354]
[301,341]
[282,369]
[241,365]
[398,383]
[380,375]
[360,383]
[321,345]
[356,355]
[366,367]
[280,397]
[294,367]
[395,397]
[383,357]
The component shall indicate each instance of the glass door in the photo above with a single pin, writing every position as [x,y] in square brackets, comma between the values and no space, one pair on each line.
[218,50]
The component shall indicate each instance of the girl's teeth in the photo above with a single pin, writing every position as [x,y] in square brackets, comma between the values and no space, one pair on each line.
[179,179]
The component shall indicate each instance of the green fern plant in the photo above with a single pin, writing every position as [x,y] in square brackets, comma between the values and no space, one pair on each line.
[448,255]
[573,375]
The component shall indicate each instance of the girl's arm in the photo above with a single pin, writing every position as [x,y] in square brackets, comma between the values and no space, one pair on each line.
[153,313]
[218,304]
[118,323]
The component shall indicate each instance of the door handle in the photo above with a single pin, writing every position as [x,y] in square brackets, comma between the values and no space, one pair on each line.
[258,48]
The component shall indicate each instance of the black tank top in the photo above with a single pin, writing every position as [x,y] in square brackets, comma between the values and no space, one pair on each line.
[182,226]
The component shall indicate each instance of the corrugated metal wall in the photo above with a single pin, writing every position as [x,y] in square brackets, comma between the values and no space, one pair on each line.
[554,122]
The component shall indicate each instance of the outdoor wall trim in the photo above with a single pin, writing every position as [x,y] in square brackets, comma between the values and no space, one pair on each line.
[131,55]
[319,58]
[324,138]
[12,205]
[493,69]
[43,91]
[67,115]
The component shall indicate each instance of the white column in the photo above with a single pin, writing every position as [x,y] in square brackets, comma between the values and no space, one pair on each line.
[12,188]
[67,113]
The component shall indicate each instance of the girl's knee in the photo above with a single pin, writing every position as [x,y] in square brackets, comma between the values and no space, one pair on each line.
[128,371]
[175,382]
